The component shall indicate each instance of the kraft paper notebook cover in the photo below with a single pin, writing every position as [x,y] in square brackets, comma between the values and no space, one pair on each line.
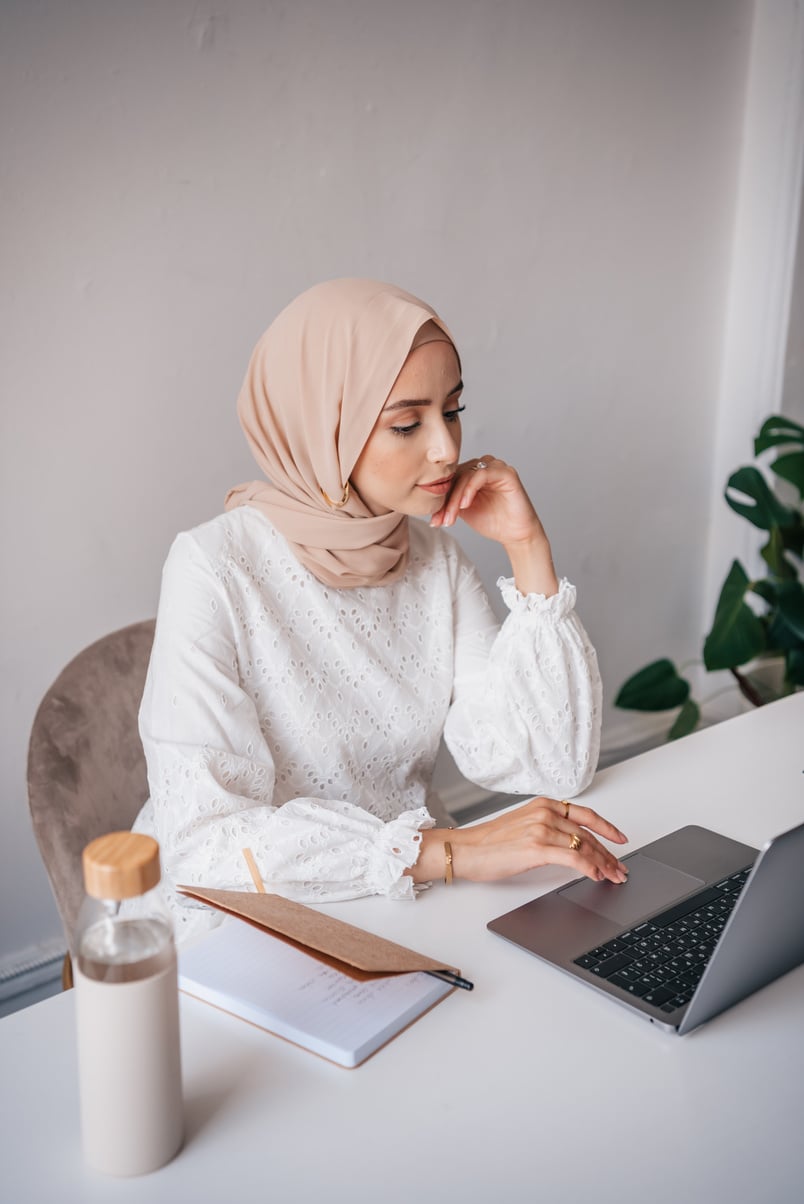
[333,988]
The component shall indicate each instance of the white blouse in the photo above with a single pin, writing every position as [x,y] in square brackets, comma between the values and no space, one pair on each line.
[303,722]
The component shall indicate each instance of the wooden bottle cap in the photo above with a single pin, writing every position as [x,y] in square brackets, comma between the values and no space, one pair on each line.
[121,865]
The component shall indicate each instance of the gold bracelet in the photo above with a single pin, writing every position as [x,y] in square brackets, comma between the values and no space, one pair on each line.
[447,863]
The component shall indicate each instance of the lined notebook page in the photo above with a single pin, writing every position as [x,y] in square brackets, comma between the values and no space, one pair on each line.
[253,974]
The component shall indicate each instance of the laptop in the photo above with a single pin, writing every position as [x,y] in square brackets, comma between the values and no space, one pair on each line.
[701,922]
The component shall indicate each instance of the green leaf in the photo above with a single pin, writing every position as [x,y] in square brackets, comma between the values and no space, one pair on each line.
[657,687]
[774,557]
[737,634]
[776,430]
[791,468]
[781,638]
[793,538]
[765,589]
[795,667]
[767,510]
[686,720]
[791,607]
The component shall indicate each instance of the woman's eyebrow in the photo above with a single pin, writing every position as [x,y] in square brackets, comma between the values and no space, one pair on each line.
[404,405]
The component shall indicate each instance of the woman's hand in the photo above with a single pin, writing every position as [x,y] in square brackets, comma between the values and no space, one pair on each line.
[489,496]
[540,832]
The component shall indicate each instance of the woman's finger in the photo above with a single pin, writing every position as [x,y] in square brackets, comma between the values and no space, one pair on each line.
[585,817]
[465,486]
[470,478]
[580,841]
[559,822]
[477,477]
[543,829]
[585,860]
[577,815]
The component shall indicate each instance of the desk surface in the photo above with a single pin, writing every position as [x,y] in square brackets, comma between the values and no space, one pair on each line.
[531,1087]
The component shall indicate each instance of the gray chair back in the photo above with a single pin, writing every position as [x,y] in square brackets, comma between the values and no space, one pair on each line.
[86,766]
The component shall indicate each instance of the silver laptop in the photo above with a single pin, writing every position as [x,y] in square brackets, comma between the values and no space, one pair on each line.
[701,922]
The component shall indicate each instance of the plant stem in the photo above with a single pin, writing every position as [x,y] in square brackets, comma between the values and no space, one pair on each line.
[746,689]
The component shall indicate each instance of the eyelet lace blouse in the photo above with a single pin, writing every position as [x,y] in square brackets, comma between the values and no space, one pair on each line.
[303,721]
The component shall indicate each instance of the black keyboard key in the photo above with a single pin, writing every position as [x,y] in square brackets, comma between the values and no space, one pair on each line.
[586,961]
[653,980]
[631,988]
[665,973]
[624,978]
[659,995]
[685,907]
[641,964]
[628,974]
[611,965]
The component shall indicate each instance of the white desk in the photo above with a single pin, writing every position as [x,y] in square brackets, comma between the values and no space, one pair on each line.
[531,1088]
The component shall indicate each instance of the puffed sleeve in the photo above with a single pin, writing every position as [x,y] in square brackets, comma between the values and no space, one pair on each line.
[211,774]
[526,709]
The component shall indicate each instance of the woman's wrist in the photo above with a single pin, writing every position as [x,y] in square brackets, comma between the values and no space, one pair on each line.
[431,864]
[532,566]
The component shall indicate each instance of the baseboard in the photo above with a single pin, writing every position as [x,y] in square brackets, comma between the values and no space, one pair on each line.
[31,967]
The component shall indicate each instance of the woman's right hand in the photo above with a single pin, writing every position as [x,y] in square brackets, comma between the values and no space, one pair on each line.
[542,831]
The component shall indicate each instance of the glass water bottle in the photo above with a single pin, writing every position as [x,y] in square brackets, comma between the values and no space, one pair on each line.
[129,1063]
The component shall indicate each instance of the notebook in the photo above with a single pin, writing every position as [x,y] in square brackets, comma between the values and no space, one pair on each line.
[263,979]
[702,922]
[309,977]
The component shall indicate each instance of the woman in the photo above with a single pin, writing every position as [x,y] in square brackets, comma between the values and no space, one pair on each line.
[313,644]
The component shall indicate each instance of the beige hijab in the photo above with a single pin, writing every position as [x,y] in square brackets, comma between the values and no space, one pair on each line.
[316,383]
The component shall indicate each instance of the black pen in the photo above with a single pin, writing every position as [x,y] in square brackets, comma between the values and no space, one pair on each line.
[454,980]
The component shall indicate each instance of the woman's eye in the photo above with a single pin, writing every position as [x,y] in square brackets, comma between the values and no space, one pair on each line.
[448,415]
[405,430]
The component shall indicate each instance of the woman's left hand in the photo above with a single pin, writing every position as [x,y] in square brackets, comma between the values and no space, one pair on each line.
[488,495]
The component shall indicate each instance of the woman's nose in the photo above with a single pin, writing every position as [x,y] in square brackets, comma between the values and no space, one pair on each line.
[444,446]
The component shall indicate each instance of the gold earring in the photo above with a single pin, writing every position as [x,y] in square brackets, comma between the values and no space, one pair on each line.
[342,502]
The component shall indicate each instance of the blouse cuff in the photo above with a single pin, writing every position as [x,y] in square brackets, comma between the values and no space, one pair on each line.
[397,849]
[556,607]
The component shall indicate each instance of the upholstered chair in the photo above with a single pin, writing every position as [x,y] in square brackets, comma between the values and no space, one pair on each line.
[86,766]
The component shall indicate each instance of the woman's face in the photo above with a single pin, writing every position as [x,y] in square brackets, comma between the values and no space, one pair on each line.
[411,455]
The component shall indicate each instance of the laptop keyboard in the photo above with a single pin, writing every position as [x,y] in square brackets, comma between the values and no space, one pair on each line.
[661,960]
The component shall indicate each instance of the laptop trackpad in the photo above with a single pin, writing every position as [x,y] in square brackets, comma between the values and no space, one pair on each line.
[651,886]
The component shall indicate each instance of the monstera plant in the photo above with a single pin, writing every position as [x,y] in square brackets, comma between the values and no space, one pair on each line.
[744,634]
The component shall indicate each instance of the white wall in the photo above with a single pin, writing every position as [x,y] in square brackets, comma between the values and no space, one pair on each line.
[558,178]
[793,386]
[759,336]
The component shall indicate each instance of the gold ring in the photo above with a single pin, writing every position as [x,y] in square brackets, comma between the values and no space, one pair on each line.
[566,807]
[575,842]
[342,502]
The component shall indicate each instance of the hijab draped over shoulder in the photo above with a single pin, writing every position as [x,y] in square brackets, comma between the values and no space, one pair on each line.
[316,383]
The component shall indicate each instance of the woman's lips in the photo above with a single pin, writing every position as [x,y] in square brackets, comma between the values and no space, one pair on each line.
[439,487]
